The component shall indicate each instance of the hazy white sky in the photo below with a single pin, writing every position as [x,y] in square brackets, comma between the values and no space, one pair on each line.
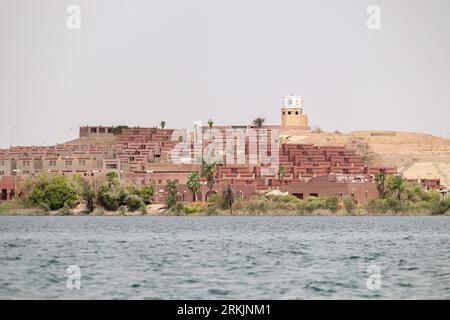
[139,62]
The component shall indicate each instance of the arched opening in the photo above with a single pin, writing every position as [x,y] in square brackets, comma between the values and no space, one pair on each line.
[4,195]
[208,194]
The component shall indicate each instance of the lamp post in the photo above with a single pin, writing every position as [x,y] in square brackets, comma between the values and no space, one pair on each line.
[146,176]
[148,172]
[16,172]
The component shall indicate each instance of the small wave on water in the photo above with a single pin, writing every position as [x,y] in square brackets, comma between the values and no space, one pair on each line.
[225,258]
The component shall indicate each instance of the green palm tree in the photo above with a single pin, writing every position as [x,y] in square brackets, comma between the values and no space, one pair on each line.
[162,125]
[172,187]
[228,195]
[209,172]
[193,184]
[396,186]
[380,180]
[171,198]
[258,122]
[210,124]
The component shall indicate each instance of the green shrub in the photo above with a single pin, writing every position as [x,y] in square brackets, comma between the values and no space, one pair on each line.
[170,200]
[394,204]
[221,202]
[332,203]
[285,203]
[52,192]
[281,205]
[377,205]
[109,200]
[417,194]
[110,194]
[290,199]
[178,208]
[213,197]
[192,210]
[118,130]
[134,202]
[211,208]
[239,204]
[112,176]
[349,204]
[312,204]
[300,207]
[147,193]
[440,207]
[284,199]
[4,207]
[45,207]
[257,205]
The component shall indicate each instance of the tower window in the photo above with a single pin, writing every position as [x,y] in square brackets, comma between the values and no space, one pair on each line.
[289,112]
[296,112]
[283,113]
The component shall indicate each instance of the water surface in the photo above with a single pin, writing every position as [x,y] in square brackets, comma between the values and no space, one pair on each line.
[225,257]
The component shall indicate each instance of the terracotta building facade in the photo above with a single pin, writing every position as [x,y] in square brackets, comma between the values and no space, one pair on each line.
[144,155]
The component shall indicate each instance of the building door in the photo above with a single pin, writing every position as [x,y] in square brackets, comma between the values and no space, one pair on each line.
[4,195]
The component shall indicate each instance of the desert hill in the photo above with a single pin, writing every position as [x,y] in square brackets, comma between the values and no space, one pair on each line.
[414,154]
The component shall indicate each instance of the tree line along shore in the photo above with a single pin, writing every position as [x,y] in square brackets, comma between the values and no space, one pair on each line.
[51,194]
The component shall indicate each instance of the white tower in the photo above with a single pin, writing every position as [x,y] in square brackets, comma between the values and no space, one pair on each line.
[292,112]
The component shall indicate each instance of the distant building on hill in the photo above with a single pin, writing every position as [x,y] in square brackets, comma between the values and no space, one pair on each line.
[292,113]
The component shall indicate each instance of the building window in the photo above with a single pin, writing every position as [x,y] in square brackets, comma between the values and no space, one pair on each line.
[159,181]
[101,130]
[2,172]
[68,162]
[2,163]
[82,162]
[93,130]
[284,113]
[26,163]
[289,112]
[110,130]
[296,112]
[52,163]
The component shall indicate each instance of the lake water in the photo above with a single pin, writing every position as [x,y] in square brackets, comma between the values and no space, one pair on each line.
[225,257]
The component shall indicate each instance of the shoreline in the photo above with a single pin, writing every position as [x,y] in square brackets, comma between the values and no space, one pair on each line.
[168,213]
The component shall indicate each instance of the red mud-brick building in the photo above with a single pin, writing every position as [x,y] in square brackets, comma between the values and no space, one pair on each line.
[145,155]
